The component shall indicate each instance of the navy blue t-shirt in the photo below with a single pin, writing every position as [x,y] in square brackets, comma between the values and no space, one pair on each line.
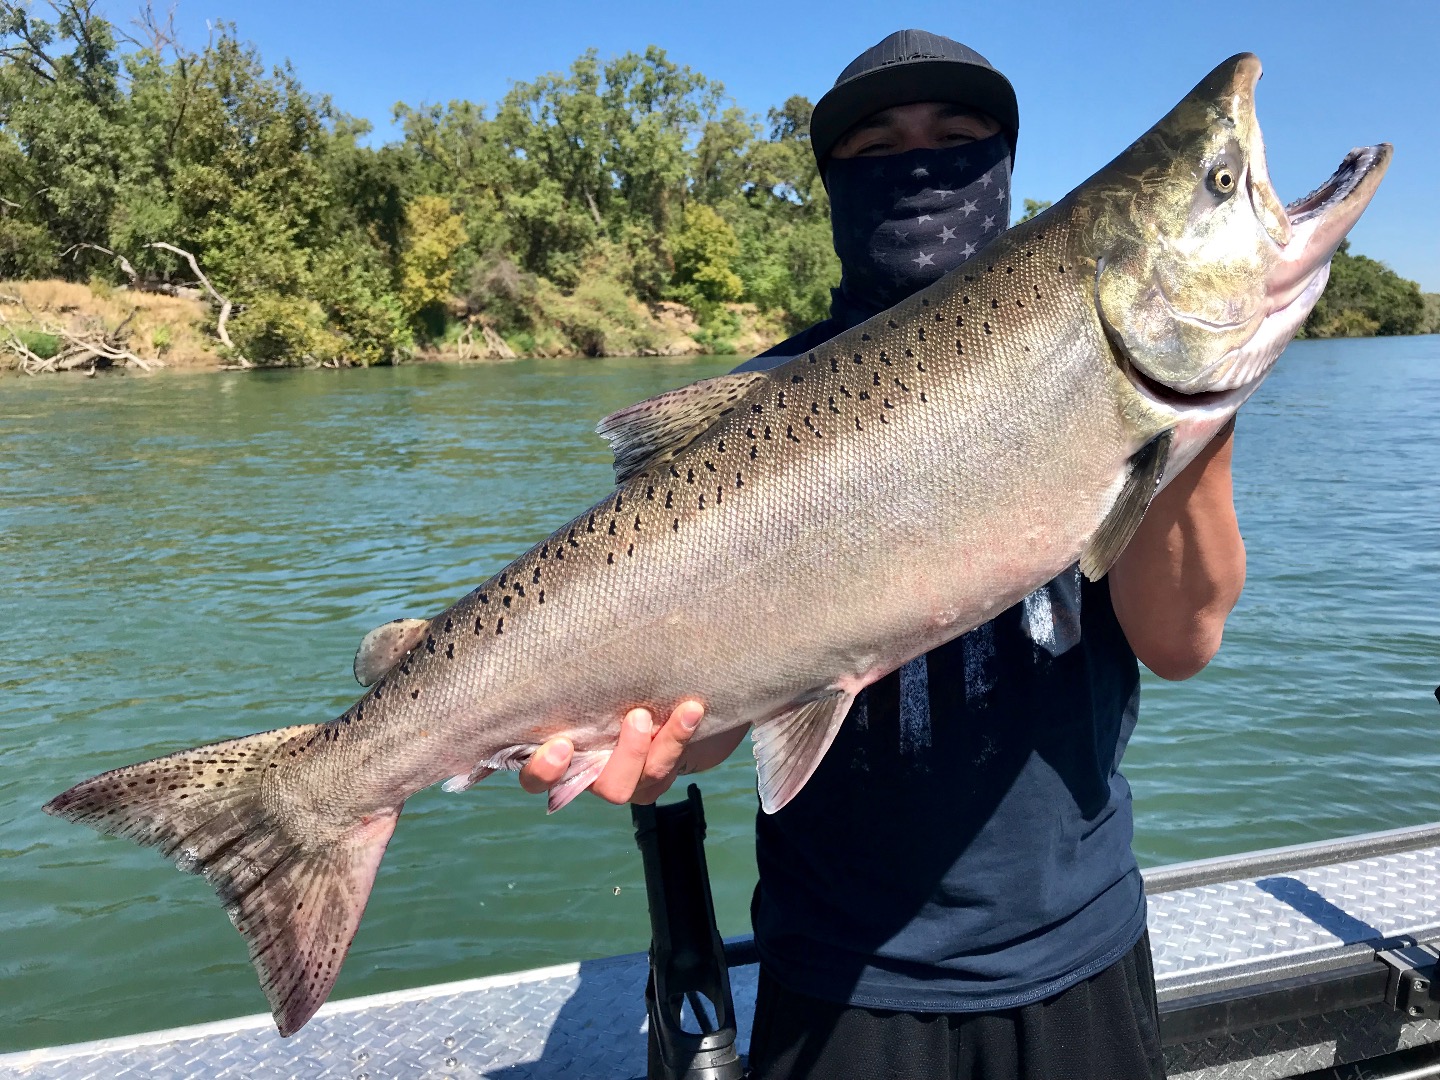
[966,842]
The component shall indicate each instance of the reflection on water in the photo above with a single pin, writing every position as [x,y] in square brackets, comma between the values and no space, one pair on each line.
[184,558]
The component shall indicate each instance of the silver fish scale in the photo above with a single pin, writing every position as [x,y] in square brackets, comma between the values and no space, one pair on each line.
[587,1020]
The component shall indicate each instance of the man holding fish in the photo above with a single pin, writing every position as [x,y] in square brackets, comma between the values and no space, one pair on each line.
[953,893]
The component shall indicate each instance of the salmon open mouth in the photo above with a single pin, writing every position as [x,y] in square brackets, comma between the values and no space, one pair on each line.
[1345,179]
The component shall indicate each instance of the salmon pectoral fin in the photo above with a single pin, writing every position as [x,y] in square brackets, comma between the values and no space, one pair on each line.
[788,747]
[1147,469]
[296,901]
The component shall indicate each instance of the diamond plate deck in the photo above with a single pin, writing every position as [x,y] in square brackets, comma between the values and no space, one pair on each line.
[587,1020]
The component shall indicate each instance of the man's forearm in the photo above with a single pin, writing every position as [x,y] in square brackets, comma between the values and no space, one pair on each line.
[1176,582]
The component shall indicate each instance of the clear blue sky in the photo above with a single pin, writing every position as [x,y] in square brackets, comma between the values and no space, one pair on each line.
[1090,76]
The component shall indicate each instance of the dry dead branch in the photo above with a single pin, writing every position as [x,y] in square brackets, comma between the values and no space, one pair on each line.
[223,301]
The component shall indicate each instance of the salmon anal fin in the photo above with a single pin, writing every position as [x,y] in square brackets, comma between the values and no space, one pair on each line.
[657,429]
[1147,468]
[788,747]
[385,646]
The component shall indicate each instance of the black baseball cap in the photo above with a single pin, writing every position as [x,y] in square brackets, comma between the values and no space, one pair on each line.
[910,66]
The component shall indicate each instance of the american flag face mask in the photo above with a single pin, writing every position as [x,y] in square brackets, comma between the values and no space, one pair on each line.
[903,221]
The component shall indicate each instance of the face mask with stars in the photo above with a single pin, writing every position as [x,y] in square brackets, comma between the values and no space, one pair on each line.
[903,221]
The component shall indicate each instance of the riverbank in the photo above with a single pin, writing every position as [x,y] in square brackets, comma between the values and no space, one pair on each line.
[54,326]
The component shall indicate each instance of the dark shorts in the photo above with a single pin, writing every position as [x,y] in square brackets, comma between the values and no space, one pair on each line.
[1105,1028]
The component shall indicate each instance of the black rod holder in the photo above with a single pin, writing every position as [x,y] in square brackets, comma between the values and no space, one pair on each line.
[687,957]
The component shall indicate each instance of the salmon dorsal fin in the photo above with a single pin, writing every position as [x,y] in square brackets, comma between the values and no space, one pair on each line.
[788,747]
[1147,468]
[385,646]
[658,428]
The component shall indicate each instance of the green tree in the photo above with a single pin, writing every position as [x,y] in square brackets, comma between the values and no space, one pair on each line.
[433,235]
[1034,207]
[1364,298]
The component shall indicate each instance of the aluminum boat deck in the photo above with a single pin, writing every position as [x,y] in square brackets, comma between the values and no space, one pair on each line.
[1271,964]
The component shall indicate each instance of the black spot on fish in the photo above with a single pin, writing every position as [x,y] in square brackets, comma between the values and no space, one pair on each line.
[739,480]
[754,452]
[919,365]
[611,529]
[430,641]
[1009,269]
[479,625]
[503,578]
[864,395]
[796,379]
[674,472]
[834,364]
[887,403]
[499,626]
[720,446]
[965,300]
[669,500]
[505,601]
[701,505]
[875,381]
[609,561]
[860,359]
[924,303]
[864,337]
[630,551]
[484,599]
[790,433]
[811,358]
[901,384]
[560,554]
[571,538]
[675,525]
[545,551]
[450,650]
[689,476]
[987,327]
[1020,303]
[845,390]
[893,324]
[1060,267]
[780,400]
[415,695]
[535,578]
[449,624]
[637,522]
[920,336]
[767,431]
[994,304]
[757,408]
[619,501]
[923,398]
[541,598]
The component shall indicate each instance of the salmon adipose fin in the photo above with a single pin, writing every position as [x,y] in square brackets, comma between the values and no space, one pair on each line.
[297,901]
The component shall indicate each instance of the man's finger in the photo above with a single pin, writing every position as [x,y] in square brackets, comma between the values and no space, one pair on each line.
[616,782]
[546,766]
[663,761]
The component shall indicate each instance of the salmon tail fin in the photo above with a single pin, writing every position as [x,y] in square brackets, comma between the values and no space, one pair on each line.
[296,900]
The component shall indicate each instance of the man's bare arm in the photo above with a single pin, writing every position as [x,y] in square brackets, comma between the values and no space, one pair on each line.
[1177,581]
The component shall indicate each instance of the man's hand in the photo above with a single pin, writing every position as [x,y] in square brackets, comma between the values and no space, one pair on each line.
[646,761]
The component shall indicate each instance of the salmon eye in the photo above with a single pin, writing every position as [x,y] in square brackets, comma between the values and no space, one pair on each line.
[1222,179]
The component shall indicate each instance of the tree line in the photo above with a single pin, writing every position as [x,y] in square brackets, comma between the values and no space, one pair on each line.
[552,217]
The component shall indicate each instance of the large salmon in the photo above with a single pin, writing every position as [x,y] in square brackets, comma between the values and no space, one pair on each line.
[778,540]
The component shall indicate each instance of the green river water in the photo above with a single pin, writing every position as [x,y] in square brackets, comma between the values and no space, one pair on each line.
[189,557]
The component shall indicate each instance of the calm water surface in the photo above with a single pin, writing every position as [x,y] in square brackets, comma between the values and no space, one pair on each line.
[185,558]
